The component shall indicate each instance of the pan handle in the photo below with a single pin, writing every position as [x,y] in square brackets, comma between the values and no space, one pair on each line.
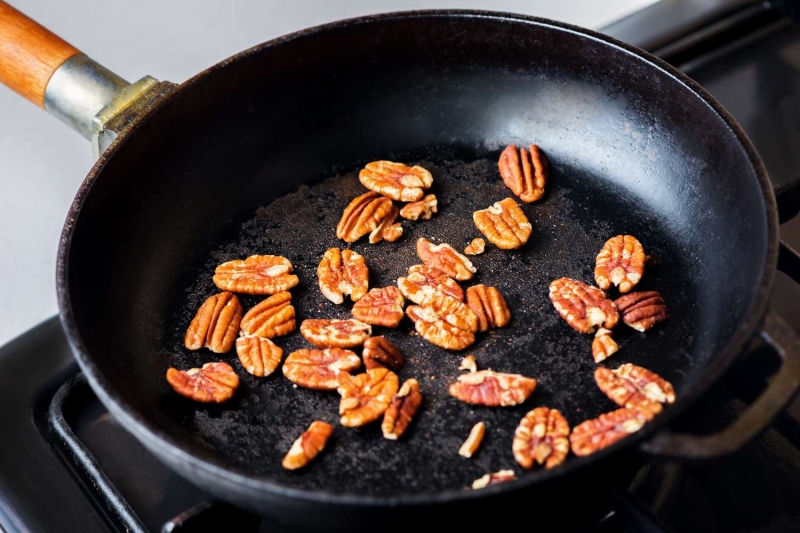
[40,66]
[29,54]
[782,338]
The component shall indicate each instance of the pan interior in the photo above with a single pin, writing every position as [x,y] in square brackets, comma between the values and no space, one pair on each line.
[261,155]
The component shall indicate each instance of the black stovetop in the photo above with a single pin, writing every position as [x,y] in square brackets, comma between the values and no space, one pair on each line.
[66,465]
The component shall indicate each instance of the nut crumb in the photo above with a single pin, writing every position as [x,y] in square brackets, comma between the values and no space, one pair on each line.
[493,479]
[603,346]
[423,209]
[468,363]
[474,441]
[476,247]
[308,445]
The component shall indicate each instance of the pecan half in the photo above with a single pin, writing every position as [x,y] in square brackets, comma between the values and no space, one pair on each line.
[213,383]
[366,397]
[445,258]
[476,247]
[423,209]
[473,441]
[424,280]
[381,352]
[396,180]
[258,274]
[387,229]
[469,363]
[271,318]
[402,409]
[642,310]
[362,216]
[216,324]
[583,307]
[621,262]
[343,272]
[593,435]
[493,479]
[494,389]
[308,445]
[504,224]
[319,369]
[489,306]
[603,346]
[541,437]
[380,307]
[444,321]
[258,355]
[635,387]
[340,333]
[524,172]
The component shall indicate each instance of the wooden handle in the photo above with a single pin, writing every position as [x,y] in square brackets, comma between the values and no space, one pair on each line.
[29,54]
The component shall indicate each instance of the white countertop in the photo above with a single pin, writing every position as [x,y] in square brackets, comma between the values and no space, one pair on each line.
[42,162]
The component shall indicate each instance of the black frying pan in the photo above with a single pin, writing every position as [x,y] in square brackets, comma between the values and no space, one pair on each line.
[259,155]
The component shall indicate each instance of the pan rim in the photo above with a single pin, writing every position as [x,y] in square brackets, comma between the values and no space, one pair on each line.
[236,478]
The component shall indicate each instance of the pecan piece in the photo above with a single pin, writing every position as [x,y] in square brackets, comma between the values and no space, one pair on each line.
[340,333]
[387,229]
[476,247]
[258,274]
[308,445]
[515,167]
[598,433]
[642,310]
[541,437]
[362,216]
[444,321]
[396,180]
[343,272]
[216,324]
[319,369]
[473,441]
[402,409]
[381,352]
[603,346]
[423,280]
[258,355]
[445,258]
[469,363]
[621,262]
[271,318]
[583,307]
[213,383]
[380,307]
[366,397]
[504,224]
[493,389]
[393,232]
[423,209]
[489,306]
[635,387]
[493,479]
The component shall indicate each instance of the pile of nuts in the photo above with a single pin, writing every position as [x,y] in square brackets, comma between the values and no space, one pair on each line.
[443,313]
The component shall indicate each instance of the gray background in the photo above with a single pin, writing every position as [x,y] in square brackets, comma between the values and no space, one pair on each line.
[42,162]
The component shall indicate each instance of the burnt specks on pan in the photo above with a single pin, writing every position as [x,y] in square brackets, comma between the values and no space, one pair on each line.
[567,238]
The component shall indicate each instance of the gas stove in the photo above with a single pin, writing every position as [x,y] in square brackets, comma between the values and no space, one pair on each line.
[66,465]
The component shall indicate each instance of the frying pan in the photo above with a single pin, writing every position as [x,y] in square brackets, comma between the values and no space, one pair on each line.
[259,154]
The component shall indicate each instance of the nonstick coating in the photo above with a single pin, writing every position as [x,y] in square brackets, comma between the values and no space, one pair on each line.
[260,154]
